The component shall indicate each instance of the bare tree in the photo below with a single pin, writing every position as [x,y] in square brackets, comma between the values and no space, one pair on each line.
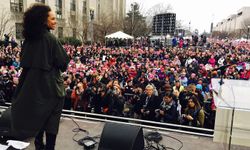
[135,22]
[220,34]
[245,28]
[107,24]
[5,23]
[179,24]
[159,8]
[82,29]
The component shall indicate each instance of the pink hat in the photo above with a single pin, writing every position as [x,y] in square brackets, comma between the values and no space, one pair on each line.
[193,74]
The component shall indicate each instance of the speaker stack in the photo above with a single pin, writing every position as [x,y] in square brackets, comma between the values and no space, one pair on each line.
[164,24]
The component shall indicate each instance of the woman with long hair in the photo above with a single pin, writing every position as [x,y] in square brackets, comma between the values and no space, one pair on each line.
[194,114]
[38,100]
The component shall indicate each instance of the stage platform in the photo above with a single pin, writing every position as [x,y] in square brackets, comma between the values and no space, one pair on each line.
[190,142]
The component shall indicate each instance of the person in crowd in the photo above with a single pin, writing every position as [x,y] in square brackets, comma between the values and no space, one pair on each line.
[38,99]
[140,66]
[6,40]
[168,110]
[212,61]
[178,87]
[68,100]
[77,97]
[183,79]
[115,99]
[192,79]
[167,88]
[197,92]
[194,114]
[149,104]
[105,79]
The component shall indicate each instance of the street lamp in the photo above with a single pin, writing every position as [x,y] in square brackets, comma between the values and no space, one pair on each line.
[132,21]
[248,28]
[92,14]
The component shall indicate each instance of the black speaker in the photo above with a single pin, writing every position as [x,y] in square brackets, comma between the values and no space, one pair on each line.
[5,123]
[121,137]
[6,129]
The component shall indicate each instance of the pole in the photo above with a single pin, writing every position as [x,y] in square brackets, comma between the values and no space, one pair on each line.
[248,27]
[162,29]
[231,130]
[132,27]
[91,25]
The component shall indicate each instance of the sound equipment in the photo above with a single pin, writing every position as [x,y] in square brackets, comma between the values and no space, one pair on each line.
[121,137]
[5,123]
[164,24]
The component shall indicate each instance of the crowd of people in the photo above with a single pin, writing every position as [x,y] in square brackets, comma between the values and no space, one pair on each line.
[167,84]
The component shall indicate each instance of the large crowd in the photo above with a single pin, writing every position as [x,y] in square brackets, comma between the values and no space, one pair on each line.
[166,84]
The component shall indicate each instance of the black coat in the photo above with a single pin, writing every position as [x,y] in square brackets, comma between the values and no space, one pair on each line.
[150,107]
[40,90]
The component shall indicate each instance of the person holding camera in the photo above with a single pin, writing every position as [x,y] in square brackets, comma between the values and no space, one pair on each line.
[114,99]
[168,110]
[76,96]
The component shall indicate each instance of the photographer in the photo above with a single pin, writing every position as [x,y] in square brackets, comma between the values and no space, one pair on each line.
[92,95]
[137,101]
[76,97]
[96,99]
[168,110]
[129,94]
[68,90]
[115,99]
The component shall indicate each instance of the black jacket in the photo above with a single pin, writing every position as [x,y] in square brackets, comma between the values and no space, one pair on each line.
[151,106]
[40,87]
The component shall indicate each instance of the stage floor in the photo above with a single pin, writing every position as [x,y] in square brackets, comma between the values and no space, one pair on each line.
[190,142]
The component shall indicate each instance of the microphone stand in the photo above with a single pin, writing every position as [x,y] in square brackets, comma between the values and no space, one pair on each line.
[221,82]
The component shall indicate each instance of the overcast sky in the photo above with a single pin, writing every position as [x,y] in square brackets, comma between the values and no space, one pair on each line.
[199,12]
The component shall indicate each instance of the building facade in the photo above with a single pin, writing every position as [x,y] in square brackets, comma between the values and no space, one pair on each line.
[73,16]
[238,22]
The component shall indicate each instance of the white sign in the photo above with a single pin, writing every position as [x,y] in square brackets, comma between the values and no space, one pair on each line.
[232,93]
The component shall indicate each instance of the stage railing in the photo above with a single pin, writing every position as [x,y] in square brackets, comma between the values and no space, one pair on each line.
[137,122]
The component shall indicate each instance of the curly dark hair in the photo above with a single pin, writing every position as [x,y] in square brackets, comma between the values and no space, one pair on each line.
[35,21]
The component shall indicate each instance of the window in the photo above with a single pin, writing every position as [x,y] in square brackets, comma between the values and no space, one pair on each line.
[41,1]
[59,9]
[19,29]
[73,5]
[84,7]
[60,32]
[239,14]
[74,32]
[16,5]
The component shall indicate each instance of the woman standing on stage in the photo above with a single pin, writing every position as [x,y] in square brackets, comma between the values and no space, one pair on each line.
[38,100]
